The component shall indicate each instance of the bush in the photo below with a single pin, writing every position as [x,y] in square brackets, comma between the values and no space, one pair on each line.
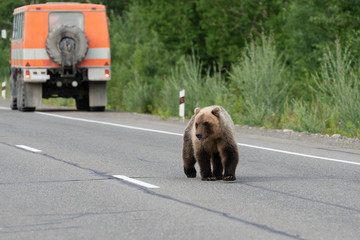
[261,78]
[339,90]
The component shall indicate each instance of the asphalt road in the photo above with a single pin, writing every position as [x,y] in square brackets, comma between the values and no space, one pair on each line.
[65,175]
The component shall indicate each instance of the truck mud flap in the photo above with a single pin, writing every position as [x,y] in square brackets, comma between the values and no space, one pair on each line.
[29,96]
[97,96]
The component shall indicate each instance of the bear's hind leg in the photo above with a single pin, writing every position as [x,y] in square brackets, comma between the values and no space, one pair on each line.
[217,167]
[188,159]
[189,167]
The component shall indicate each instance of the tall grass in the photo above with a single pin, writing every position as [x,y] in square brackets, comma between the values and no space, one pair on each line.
[138,95]
[200,90]
[339,89]
[334,107]
[261,79]
[301,116]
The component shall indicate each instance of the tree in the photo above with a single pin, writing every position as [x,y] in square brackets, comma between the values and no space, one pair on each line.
[228,24]
[310,26]
[176,22]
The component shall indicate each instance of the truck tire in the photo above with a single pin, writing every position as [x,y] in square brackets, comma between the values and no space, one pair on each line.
[13,92]
[97,109]
[21,98]
[82,103]
[67,45]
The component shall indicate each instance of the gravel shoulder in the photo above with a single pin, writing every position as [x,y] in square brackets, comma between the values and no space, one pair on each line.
[335,140]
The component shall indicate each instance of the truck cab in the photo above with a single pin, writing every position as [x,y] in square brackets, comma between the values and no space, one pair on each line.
[60,50]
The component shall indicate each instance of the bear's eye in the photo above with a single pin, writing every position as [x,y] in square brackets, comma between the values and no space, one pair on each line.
[196,125]
[206,124]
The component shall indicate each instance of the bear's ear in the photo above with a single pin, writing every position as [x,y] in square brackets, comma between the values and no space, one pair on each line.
[196,111]
[216,111]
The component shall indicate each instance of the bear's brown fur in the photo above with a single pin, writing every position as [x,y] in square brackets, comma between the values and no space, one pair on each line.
[209,141]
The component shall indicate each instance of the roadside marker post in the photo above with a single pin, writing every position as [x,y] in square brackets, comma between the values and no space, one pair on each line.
[182,104]
[3,85]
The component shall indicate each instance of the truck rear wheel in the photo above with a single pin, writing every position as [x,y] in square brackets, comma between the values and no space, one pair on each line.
[82,103]
[28,95]
[13,94]
[21,97]
[97,109]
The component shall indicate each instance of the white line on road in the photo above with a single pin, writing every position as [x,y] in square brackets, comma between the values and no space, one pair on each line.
[111,124]
[298,154]
[134,181]
[28,148]
[179,134]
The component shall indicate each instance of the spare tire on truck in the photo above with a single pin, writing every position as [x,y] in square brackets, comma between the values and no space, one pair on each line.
[67,45]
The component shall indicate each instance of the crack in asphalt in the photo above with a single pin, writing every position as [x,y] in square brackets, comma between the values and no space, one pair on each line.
[66,217]
[55,181]
[303,198]
[40,230]
[222,214]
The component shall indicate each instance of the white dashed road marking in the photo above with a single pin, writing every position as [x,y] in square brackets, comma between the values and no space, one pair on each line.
[28,148]
[134,181]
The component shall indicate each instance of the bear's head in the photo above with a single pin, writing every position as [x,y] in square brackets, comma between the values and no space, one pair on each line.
[207,123]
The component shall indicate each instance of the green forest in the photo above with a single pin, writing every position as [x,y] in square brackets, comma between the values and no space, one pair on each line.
[288,64]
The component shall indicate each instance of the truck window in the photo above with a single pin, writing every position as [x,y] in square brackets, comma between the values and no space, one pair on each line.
[21,26]
[18,26]
[14,28]
[56,19]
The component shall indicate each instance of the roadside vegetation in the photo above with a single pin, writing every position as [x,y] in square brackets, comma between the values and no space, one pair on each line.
[277,64]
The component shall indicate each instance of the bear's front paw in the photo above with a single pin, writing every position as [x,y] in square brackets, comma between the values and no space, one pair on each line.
[190,172]
[208,178]
[219,177]
[229,178]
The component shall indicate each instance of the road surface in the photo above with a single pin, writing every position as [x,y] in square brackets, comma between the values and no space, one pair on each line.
[113,175]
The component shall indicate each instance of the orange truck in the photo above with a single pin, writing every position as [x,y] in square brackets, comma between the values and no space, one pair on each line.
[60,50]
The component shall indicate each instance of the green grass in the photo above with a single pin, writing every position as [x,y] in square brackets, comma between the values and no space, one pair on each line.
[336,98]
[60,102]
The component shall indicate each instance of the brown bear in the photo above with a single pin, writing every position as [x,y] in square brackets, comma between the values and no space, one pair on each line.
[209,141]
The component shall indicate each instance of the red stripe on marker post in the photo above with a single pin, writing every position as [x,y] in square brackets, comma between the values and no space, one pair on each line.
[3,89]
[182,100]
[182,104]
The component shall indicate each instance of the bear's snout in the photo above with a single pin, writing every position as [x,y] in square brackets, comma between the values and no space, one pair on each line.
[200,137]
